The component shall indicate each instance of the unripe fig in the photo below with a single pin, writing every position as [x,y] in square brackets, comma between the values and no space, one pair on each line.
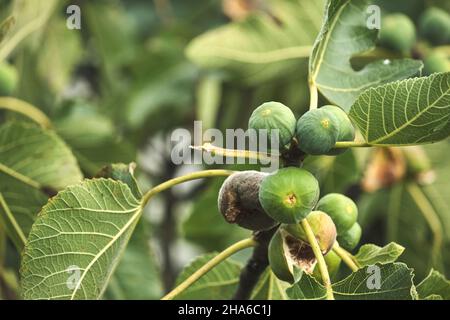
[8,78]
[322,226]
[317,131]
[398,32]
[286,253]
[436,62]
[346,129]
[274,116]
[239,203]
[333,262]
[341,209]
[288,195]
[434,25]
[350,238]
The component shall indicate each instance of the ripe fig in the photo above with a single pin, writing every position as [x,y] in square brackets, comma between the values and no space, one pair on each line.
[239,203]
[274,116]
[317,131]
[346,129]
[398,33]
[8,78]
[287,253]
[350,238]
[434,25]
[288,195]
[341,209]
[322,226]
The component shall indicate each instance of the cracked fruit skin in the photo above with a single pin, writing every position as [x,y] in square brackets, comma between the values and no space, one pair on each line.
[322,226]
[238,201]
[317,131]
[288,195]
[341,209]
[333,262]
[346,128]
[398,33]
[286,254]
[350,238]
[8,78]
[272,116]
[434,25]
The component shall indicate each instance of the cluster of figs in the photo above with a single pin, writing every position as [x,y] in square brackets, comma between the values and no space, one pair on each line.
[261,201]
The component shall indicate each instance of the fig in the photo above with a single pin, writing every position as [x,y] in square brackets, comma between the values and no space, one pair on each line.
[8,79]
[346,129]
[398,33]
[350,238]
[289,194]
[434,25]
[274,116]
[317,131]
[322,226]
[436,62]
[238,201]
[341,209]
[287,253]
[333,262]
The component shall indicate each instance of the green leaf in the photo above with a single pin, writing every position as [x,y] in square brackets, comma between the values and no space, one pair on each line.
[395,284]
[219,283]
[77,240]
[268,43]
[136,276]
[34,162]
[370,254]
[434,284]
[344,34]
[5,26]
[413,111]
[269,287]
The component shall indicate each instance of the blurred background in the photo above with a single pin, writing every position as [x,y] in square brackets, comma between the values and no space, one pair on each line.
[138,69]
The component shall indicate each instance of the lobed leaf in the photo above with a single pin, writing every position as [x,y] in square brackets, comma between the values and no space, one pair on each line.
[370,254]
[77,240]
[344,34]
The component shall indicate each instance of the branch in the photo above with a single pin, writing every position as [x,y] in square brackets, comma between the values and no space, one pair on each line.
[238,246]
[346,257]
[255,266]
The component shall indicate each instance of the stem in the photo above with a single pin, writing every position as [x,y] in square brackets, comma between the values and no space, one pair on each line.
[191,176]
[18,238]
[352,144]
[313,95]
[246,154]
[255,266]
[25,109]
[238,246]
[346,257]
[320,260]
[430,216]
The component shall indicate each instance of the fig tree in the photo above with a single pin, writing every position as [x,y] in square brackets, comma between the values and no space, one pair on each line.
[288,195]
[346,129]
[274,116]
[341,209]
[398,33]
[434,25]
[322,226]
[287,253]
[239,203]
[317,131]
[8,78]
[350,238]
